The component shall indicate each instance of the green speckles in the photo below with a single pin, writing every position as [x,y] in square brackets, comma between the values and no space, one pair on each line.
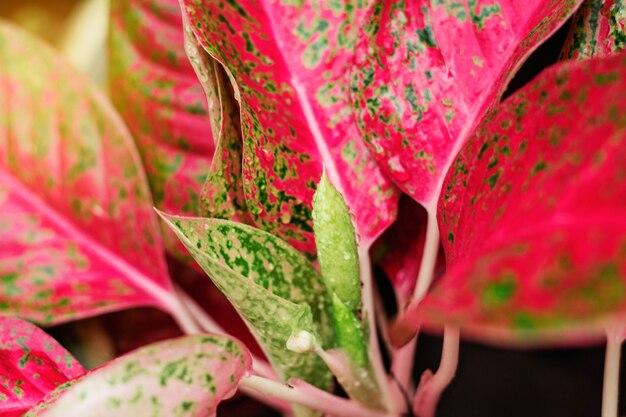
[499,292]
[493,178]
[313,54]
[485,12]
[539,166]
[524,322]
[178,370]
[426,37]
[411,97]
[451,238]
[606,78]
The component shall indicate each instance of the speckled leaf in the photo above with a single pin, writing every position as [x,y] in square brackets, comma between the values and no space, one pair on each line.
[275,289]
[184,377]
[290,62]
[157,93]
[222,195]
[598,29]
[336,245]
[78,233]
[532,215]
[31,365]
[426,71]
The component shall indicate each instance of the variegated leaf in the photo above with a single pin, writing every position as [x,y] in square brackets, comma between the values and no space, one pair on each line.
[154,88]
[290,62]
[31,365]
[78,235]
[532,213]
[275,289]
[598,29]
[425,72]
[184,377]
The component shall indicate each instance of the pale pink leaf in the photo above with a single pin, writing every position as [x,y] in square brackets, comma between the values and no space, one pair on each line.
[183,377]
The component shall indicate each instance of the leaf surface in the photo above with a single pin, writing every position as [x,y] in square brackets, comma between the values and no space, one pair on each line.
[532,215]
[154,88]
[31,364]
[290,62]
[78,233]
[183,377]
[426,71]
[598,29]
[272,285]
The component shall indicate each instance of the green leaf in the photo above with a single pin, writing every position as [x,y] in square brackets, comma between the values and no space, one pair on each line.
[273,286]
[357,379]
[349,334]
[336,244]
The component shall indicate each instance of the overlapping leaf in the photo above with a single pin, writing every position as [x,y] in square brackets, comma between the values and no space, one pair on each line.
[532,211]
[425,71]
[598,29]
[184,377]
[275,289]
[290,62]
[31,365]
[158,95]
[78,233]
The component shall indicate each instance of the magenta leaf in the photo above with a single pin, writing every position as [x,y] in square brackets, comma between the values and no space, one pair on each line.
[79,236]
[291,62]
[31,365]
[154,88]
[532,214]
[598,29]
[183,377]
[425,72]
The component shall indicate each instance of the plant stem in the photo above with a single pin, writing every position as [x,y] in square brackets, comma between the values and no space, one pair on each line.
[402,362]
[375,356]
[402,365]
[430,389]
[207,324]
[181,316]
[610,391]
[309,396]
[429,259]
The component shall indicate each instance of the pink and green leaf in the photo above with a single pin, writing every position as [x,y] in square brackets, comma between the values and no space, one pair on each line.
[157,93]
[532,213]
[290,62]
[79,236]
[184,377]
[31,364]
[426,71]
[272,285]
[598,29]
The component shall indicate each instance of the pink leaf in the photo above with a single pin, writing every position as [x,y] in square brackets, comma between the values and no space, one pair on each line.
[598,29]
[158,95]
[291,65]
[425,72]
[184,377]
[532,214]
[31,364]
[79,236]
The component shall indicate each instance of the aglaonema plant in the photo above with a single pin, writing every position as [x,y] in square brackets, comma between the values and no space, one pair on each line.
[279,169]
